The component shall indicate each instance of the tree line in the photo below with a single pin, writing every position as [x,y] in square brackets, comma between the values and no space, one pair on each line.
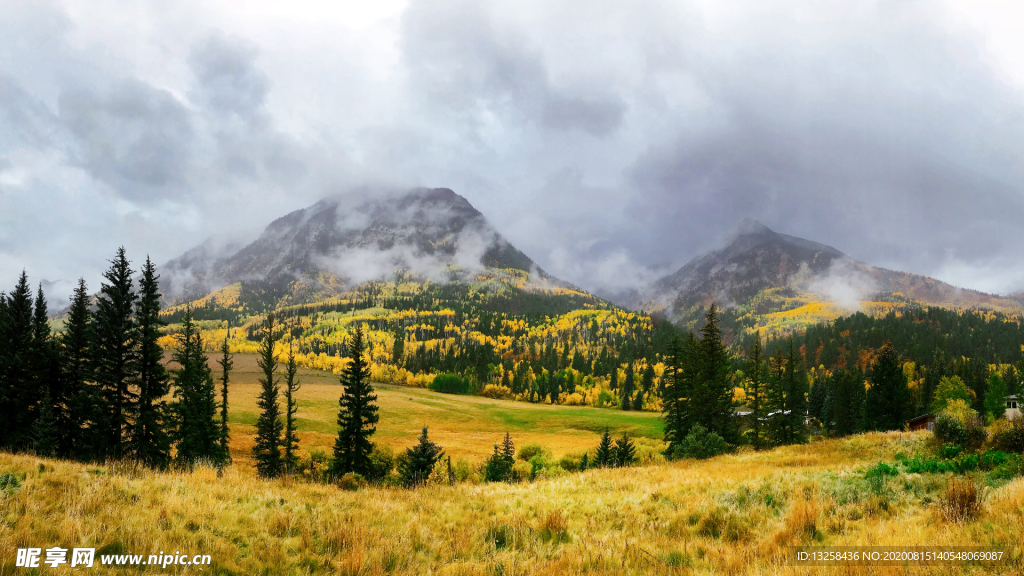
[99,390]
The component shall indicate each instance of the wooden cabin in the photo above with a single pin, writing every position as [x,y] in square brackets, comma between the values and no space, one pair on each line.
[922,422]
[1012,409]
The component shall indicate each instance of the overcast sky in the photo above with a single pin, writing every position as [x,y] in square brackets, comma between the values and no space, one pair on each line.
[610,141]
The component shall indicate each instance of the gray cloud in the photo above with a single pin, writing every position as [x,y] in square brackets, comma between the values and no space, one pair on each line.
[609,142]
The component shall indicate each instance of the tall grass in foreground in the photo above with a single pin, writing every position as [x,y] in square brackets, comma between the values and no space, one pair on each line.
[732,514]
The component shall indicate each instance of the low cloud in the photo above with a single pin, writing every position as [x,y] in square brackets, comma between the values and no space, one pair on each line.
[845,284]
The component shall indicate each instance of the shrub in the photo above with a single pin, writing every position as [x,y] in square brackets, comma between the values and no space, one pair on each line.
[9,482]
[351,481]
[496,391]
[880,470]
[449,384]
[960,425]
[961,500]
[382,462]
[316,467]
[700,444]
[528,451]
[1008,436]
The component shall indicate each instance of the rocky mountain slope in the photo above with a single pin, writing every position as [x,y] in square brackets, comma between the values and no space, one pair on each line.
[338,243]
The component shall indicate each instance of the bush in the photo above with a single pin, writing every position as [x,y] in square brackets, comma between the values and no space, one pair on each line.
[496,391]
[961,500]
[449,384]
[701,444]
[528,451]
[967,432]
[9,482]
[1009,435]
[351,481]
[316,467]
[382,462]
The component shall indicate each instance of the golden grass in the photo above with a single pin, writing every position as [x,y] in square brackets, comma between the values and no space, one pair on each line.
[466,426]
[732,514]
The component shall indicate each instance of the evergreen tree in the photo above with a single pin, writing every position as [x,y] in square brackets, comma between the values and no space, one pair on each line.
[418,462]
[624,451]
[44,429]
[605,457]
[46,379]
[583,462]
[291,436]
[150,440]
[711,392]
[779,432]
[646,384]
[756,375]
[195,406]
[888,401]
[499,465]
[796,397]
[816,399]
[226,364]
[116,360]
[627,387]
[398,351]
[18,394]
[357,415]
[267,450]
[81,433]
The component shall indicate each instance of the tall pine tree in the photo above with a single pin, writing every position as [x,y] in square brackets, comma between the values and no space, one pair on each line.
[888,402]
[357,415]
[150,441]
[81,433]
[116,360]
[226,364]
[756,373]
[195,406]
[50,399]
[291,436]
[18,394]
[267,450]
[711,393]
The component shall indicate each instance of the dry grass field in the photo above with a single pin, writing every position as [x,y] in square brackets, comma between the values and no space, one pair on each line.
[734,514]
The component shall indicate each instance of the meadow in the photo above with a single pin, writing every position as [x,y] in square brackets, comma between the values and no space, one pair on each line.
[734,514]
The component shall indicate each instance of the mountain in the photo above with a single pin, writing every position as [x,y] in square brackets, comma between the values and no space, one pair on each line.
[341,242]
[761,272]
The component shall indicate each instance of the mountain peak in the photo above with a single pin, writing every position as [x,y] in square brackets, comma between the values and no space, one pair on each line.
[342,241]
[750,227]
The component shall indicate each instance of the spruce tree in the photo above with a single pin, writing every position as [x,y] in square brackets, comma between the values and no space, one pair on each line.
[357,415]
[775,400]
[674,395]
[711,393]
[291,436]
[605,456]
[646,383]
[756,393]
[627,387]
[116,360]
[195,406]
[888,402]
[624,451]
[44,429]
[18,394]
[150,441]
[796,396]
[226,364]
[418,462]
[51,400]
[82,435]
[267,450]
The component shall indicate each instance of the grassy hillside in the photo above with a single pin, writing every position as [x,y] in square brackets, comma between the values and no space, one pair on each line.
[467,426]
[732,514]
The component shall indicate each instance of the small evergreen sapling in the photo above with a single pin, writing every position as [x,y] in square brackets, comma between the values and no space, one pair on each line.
[418,462]
[605,456]
[624,451]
